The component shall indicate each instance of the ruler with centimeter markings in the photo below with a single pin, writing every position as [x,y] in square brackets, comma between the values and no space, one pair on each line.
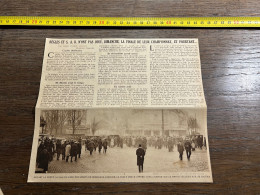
[202,22]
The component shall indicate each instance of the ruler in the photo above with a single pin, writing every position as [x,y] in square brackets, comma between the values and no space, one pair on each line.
[203,22]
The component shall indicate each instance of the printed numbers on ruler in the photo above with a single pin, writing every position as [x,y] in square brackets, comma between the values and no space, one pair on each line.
[138,22]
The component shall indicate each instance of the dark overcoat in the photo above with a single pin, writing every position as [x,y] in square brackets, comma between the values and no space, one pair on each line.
[63,146]
[105,144]
[74,149]
[44,160]
[100,144]
[187,145]
[91,145]
[140,156]
[180,148]
[79,146]
[58,148]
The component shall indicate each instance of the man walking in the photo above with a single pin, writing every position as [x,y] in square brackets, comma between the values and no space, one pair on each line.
[91,146]
[99,145]
[140,158]
[180,149]
[105,143]
[187,146]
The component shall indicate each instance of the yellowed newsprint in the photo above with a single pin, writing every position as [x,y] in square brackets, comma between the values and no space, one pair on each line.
[121,110]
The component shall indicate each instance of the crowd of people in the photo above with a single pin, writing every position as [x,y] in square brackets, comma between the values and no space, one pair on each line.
[63,148]
[70,148]
[66,149]
[159,142]
[92,144]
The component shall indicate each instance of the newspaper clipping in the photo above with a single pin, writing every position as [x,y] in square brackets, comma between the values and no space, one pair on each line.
[121,110]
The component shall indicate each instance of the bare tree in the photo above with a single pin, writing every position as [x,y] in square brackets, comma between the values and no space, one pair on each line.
[163,133]
[55,120]
[52,117]
[63,117]
[75,118]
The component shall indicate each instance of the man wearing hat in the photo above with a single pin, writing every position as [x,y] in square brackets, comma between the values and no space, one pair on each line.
[140,158]
[188,147]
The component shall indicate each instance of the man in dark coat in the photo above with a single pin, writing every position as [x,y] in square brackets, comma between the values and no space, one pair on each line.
[105,143]
[188,147]
[180,149]
[86,144]
[91,146]
[79,148]
[140,158]
[200,141]
[44,160]
[58,149]
[73,151]
[99,145]
[39,151]
[95,143]
[120,142]
[51,145]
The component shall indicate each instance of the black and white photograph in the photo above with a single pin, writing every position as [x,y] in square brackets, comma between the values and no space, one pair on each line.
[122,141]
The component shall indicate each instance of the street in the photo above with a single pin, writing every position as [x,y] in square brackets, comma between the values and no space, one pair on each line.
[124,160]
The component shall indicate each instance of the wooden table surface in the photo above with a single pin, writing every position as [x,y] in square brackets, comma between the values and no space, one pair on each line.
[230,60]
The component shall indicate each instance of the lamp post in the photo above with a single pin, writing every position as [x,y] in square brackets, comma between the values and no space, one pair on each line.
[42,123]
[162,123]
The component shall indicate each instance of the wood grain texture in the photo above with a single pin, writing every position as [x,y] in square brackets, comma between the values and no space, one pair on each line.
[230,60]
